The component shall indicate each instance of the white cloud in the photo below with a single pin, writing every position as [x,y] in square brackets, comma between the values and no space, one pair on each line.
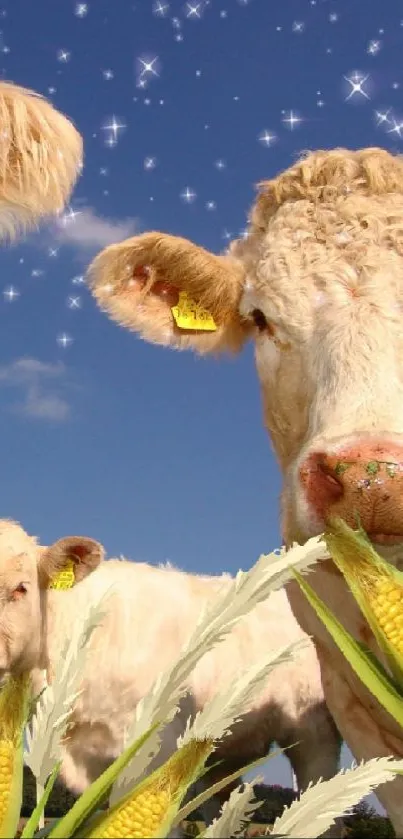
[31,377]
[86,231]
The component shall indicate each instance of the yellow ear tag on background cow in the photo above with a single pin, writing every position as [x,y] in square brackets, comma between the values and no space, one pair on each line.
[65,578]
[189,315]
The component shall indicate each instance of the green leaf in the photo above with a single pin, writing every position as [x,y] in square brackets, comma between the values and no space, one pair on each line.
[365,665]
[88,801]
[33,821]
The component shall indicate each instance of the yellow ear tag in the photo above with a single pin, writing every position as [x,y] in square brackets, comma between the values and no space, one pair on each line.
[65,578]
[189,315]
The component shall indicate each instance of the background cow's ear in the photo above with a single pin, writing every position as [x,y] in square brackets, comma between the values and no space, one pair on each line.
[171,292]
[68,561]
[41,157]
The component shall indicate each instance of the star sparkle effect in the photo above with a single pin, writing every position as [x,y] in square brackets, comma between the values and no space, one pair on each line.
[112,128]
[147,69]
[358,85]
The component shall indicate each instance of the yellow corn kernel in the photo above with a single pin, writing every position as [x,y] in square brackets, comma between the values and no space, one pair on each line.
[149,809]
[140,816]
[386,600]
[7,755]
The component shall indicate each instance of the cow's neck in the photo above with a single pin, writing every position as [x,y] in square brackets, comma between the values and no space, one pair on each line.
[58,611]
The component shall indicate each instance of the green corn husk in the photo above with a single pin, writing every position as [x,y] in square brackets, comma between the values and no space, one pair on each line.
[376,585]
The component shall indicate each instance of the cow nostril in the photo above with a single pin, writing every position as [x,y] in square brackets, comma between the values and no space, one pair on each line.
[331,482]
[321,484]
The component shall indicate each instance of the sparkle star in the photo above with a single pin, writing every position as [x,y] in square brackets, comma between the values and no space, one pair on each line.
[397,128]
[63,55]
[64,340]
[291,120]
[356,80]
[382,116]
[373,47]
[113,127]
[194,10]
[150,163]
[81,9]
[267,138]
[188,195]
[160,9]
[10,294]
[148,68]
[69,216]
[74,302]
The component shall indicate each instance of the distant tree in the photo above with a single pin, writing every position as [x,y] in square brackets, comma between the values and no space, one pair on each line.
[274,798]
[365,823]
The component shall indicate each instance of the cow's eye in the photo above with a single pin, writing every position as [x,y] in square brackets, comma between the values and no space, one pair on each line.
[19,592]
[261,321]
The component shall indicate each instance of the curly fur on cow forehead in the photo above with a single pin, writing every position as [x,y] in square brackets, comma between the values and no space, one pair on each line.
[327,175]
[332,223]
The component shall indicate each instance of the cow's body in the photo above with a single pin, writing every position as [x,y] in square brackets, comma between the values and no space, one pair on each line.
[318,283]
[149,617]
[154,614]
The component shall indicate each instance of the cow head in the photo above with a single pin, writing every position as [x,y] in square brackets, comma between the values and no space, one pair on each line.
[318,282]
[27,571]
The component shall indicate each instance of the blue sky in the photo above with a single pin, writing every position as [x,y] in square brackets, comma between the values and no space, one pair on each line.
[183,108]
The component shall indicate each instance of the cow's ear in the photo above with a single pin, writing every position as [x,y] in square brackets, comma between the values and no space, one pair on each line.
[40,159]
[68,561]
[171,292]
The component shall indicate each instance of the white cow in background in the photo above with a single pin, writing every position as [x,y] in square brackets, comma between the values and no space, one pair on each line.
[149,617]
[318,283]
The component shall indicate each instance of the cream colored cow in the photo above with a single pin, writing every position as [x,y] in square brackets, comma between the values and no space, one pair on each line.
[318,283]
[149,618]
[40,158]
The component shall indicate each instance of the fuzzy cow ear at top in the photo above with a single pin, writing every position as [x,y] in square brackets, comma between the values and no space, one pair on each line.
[171,291]
[68,561]
[40,159]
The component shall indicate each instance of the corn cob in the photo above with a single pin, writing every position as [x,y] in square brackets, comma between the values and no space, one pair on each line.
[387,605]
[14,705]
[376,585]
[149,809]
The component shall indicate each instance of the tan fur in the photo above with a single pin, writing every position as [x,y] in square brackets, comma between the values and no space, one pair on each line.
[322,260]
[40,158]
[150,616]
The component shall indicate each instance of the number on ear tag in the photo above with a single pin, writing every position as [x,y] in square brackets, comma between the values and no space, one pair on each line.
[65,578]
[189,315]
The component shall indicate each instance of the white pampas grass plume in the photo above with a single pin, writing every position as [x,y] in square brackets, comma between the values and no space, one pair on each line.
[319,806]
